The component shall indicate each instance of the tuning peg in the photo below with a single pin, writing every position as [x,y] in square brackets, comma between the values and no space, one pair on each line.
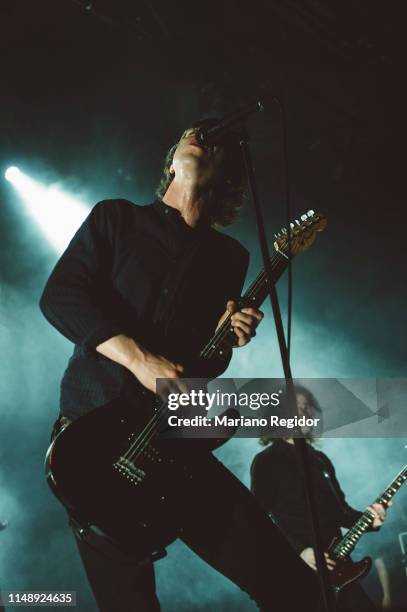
[304,217]
[310,213]
[284,230]
[292,225]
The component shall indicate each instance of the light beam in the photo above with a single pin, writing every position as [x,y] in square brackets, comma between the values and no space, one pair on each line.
[57,213]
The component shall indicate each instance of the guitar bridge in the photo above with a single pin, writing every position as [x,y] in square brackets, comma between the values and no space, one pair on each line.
[126,468]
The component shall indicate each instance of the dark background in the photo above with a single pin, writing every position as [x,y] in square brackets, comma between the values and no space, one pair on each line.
[92,96]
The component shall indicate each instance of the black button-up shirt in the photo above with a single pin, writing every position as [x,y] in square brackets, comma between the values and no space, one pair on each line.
[143,272]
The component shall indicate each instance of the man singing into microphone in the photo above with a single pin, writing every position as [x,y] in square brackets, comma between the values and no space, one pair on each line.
[139,290]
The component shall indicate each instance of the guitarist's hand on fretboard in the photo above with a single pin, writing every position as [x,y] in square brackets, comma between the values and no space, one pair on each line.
[379,512]
[243,322]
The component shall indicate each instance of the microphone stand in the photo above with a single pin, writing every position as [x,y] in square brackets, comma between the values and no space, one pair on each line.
[300,443]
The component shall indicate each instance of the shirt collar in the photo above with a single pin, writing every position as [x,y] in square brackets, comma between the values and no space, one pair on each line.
[173,215]
[165,211]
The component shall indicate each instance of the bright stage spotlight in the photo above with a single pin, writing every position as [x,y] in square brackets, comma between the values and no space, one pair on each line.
[58,214]
[12,174]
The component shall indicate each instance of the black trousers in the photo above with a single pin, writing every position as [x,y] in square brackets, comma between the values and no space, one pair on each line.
[223,523]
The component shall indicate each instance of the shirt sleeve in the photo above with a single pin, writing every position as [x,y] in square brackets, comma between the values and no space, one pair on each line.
[77,299]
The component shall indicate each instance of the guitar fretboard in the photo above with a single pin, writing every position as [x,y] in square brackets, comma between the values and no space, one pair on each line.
[346,545]
[223,340]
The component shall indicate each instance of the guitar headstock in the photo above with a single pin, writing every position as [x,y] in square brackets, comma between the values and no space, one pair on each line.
[302,232]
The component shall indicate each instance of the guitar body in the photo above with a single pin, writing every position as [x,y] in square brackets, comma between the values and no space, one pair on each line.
[347,571]
[145,492]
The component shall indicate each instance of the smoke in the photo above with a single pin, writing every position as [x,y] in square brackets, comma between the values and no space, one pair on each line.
[36,549]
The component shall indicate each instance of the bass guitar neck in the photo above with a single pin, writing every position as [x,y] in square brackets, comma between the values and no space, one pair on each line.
[346,545]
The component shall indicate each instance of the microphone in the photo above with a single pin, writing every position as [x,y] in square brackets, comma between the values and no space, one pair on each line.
[214,133]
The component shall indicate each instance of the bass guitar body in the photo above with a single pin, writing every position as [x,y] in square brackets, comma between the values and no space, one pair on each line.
[104,473]
[346,570]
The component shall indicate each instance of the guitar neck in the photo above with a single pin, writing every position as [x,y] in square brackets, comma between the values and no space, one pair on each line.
[223,340]
[346,545]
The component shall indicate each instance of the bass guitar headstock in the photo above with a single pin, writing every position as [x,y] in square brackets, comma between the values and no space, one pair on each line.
[302,233]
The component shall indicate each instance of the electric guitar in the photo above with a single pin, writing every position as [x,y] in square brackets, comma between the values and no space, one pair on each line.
[114,467]
[346,570]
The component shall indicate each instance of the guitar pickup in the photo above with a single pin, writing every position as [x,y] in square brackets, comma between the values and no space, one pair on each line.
[130,471]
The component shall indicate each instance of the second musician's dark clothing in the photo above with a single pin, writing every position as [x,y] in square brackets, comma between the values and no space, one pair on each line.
[140,271]
[277,483]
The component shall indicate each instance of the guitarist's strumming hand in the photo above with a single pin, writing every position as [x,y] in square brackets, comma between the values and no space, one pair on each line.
[243,322]
[149,367]
[379,512]
[145,366]
[308,556]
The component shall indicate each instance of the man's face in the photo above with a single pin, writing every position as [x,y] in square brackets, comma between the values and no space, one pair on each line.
[304,408]
[194,161]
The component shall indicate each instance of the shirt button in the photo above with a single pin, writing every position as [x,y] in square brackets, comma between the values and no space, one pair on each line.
[165,291]
[166,211]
